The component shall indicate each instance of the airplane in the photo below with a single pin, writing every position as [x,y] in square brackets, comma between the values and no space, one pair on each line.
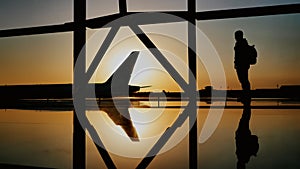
[64,91]
[25,96]
[117,110]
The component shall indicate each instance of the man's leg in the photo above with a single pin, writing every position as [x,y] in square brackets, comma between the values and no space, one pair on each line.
[243,78]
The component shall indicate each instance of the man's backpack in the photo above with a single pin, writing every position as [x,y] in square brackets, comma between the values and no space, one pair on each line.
[252,55]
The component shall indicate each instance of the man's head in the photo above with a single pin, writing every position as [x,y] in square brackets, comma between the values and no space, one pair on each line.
[238,35]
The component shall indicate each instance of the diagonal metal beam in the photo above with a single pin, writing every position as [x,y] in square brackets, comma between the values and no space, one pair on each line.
[100,146]
[205,15]
[164,138]
[37,30]
[249,12]
[102,50]
[159,56]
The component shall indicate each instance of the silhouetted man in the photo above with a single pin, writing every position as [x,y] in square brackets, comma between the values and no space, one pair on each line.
[241,63]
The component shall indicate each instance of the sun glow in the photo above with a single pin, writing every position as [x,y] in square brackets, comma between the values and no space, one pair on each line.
[149,128]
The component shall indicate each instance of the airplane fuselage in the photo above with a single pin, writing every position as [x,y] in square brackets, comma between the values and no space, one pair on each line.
[56,91]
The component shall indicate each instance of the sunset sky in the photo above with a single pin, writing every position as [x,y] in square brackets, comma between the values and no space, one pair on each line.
[47,58]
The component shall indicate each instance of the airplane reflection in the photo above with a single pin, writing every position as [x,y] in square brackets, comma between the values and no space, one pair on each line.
[118,112]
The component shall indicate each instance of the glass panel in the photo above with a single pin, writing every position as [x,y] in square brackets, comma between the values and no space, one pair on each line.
[156,5]
[276,39]
[36,138]
[206,5]
[36,59]
[96,8]
[19,13]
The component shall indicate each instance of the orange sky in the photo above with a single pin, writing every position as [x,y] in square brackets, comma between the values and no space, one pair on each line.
[43,59]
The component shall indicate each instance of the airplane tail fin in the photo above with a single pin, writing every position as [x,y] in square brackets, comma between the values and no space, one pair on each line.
[123,73]
[119,81]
